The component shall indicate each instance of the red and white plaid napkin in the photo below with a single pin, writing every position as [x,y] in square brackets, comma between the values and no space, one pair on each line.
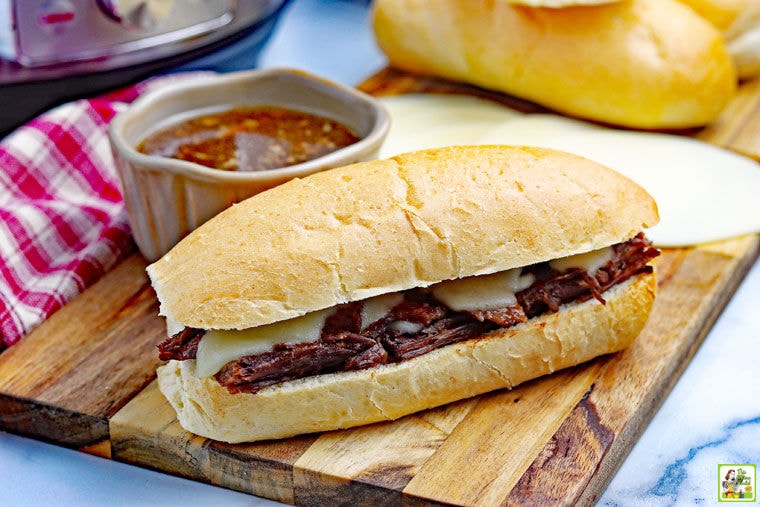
[62,218]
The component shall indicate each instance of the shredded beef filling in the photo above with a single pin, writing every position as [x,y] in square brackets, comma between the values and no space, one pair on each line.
[428,325]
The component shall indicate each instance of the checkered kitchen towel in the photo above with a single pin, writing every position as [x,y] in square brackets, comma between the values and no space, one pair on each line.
[62,218]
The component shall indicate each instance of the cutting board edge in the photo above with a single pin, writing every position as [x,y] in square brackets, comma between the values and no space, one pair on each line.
[623,444]
[55,425]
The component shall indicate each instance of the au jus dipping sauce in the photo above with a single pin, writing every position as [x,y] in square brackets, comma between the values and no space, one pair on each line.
[250,138]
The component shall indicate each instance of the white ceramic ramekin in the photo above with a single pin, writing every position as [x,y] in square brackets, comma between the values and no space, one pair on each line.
[167,198]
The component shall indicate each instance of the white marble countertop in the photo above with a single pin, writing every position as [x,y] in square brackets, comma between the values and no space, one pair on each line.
[712,415]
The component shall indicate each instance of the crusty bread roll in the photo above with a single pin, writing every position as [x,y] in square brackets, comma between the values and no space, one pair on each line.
[575,334]
[649,64]
[382,226]
[739,21]
[721,13]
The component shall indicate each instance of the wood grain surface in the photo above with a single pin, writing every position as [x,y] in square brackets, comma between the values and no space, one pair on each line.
[558,439]
[86,379]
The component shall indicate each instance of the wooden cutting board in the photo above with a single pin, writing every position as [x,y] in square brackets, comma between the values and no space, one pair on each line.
[85,379]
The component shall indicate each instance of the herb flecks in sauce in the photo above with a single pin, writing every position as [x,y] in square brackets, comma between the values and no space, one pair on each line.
[250,139]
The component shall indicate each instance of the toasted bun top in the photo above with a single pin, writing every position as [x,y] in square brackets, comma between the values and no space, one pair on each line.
[388,225]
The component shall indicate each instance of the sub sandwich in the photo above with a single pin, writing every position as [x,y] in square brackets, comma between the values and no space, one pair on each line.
[383,288]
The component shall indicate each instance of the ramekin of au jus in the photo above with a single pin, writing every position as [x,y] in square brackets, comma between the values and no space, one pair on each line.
[190,149]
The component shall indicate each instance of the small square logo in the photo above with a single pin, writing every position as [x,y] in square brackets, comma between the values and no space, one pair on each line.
[737,483]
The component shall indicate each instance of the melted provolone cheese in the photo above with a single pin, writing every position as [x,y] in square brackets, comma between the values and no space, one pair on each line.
[484,292]
[406,327]
[173,327]
[589,261]
[704,193]
[220,346]
[377,307]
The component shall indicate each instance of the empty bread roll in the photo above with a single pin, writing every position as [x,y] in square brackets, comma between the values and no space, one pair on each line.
[650,64]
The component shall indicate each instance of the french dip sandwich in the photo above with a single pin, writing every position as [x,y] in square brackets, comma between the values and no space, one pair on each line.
[376,290]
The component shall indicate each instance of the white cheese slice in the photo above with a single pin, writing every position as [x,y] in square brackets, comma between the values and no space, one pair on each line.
[421,121]
[377,307]
[589,261]
[173,327]
[704,193]
[406,327]
[484,292]
[534,130]
[220,346]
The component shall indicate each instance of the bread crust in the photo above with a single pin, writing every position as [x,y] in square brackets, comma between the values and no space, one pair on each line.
[721,13]
[739,22]
[390,225]
[637,63]
[502,359]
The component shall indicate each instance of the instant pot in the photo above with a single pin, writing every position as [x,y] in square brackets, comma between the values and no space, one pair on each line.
[52,51]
